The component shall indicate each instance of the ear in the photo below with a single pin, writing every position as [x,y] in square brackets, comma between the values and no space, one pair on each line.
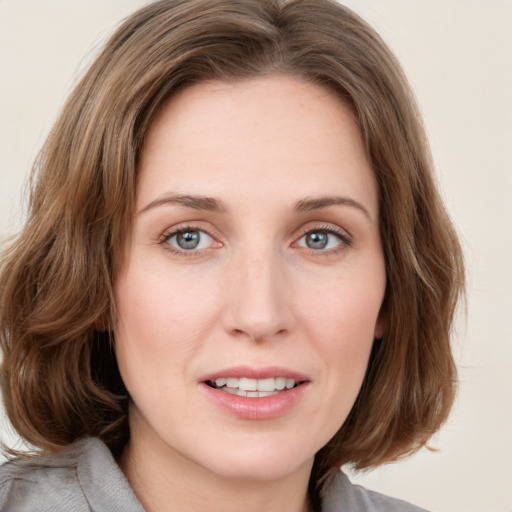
[381,326]
[103,322]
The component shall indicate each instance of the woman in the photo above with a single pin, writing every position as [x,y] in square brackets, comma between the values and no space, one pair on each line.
[237,274]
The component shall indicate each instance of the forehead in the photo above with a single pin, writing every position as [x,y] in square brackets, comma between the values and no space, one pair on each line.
[278,129]
[250,104]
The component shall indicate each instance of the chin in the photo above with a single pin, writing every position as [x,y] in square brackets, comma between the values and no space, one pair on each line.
[258,461]
[261,471]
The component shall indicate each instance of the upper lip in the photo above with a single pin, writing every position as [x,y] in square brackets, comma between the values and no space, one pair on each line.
[251,372]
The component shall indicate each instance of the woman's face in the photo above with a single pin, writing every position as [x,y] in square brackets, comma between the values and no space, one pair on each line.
[255,264]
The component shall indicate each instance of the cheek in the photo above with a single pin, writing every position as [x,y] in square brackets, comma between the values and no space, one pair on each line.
[341,320]
[339,324]
[342,309]
[158,333]
[160,322]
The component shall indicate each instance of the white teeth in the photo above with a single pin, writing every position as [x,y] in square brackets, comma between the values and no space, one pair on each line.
[248,384]
[280,383]
[266,384]
[250,387]
[261,394]
[250,394]
[232,383]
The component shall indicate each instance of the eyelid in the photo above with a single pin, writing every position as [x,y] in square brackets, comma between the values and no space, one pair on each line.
[188,226]
[343,235]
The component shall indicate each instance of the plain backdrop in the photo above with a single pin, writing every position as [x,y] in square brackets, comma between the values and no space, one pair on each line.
[458,56]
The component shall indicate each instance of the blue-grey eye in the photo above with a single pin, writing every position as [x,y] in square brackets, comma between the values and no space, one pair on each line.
[190,239]
[320,240]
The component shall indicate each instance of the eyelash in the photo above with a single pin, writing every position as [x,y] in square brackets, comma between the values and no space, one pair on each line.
[164,239]
[345,240]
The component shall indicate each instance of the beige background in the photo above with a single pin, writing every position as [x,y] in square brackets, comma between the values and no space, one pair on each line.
[458,55]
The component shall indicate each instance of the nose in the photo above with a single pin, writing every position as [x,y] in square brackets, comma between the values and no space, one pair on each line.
[258,306]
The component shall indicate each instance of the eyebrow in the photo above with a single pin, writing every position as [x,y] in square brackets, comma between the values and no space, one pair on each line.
[317,203]
[214,205]
[190,201]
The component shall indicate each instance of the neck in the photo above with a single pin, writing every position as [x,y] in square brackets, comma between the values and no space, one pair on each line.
[164,480]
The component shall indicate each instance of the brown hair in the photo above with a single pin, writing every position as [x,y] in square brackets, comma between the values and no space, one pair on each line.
[59,376]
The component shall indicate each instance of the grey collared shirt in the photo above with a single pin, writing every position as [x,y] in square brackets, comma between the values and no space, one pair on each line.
[86,478]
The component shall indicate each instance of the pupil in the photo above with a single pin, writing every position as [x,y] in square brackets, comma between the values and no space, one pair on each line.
[188,239]
[317,240]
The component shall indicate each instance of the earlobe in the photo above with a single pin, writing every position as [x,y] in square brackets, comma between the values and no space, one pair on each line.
[104,322]
[379,332]
[101,324]
[381,326]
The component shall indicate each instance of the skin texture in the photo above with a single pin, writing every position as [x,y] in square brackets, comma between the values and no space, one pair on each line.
[253,293]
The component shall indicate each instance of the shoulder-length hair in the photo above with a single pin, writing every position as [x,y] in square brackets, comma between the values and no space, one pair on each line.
[59,376]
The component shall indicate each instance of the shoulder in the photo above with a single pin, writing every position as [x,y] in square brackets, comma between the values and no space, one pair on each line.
[339,494]
[83,478]
[42,483]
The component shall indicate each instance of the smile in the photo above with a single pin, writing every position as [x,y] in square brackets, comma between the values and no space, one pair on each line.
[250,393]
[253,388]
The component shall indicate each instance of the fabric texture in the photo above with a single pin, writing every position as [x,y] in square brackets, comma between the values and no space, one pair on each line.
[86,478]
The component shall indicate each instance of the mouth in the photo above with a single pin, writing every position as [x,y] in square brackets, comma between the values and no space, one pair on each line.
[250,393]
[254,388]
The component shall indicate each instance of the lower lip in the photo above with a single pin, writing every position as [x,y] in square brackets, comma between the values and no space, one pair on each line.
[264,408]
